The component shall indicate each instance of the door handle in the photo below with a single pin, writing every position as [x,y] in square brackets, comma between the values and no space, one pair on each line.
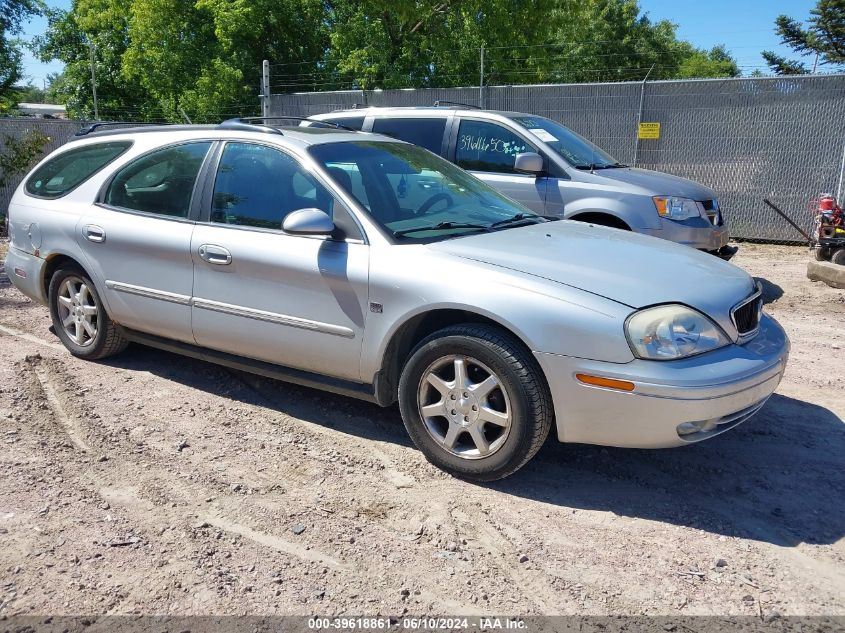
[215,254]
[94,233]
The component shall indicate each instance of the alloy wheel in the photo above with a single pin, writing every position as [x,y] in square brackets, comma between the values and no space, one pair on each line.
[78,311]
[465,407]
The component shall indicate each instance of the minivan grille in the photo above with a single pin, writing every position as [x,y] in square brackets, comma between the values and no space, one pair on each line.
[746,316]
[711,208]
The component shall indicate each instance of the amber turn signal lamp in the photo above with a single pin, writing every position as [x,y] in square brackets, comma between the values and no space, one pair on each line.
[609,383]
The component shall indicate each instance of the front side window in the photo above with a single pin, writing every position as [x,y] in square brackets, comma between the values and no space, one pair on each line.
[161,182]
[425,132]
[440,200]
[485,146]
[68,170]
[259,186]
[574,148]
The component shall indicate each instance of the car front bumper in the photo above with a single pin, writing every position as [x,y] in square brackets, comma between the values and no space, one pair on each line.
[25,272]
[697,233]
[716,390]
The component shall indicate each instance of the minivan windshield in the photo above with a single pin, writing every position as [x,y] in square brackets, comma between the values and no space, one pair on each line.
[415,195]
[574,148]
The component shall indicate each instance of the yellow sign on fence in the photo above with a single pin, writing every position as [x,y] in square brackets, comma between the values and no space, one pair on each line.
[649,131]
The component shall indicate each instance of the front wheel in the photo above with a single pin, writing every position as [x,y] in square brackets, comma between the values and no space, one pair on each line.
[79,318]
[475,402]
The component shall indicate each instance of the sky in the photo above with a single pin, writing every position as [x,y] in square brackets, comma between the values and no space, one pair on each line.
[745,27]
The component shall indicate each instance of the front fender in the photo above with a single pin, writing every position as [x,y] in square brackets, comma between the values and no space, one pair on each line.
[544,315]
[636,211]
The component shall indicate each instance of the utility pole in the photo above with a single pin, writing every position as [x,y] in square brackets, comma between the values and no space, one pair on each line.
[640,117]
[481,82]
[94,81]
[816,63]
[265,88]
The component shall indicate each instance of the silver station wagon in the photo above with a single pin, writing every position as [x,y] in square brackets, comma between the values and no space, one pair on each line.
[286,251]
[551,170]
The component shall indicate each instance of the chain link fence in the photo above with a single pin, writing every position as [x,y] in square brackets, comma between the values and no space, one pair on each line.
[781,138]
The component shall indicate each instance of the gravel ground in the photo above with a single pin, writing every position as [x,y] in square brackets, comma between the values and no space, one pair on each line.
[157,484]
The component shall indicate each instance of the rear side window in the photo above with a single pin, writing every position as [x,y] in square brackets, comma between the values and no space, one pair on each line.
[68,170]
[161,182]
[427,133]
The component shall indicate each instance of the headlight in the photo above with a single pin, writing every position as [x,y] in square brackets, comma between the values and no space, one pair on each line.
[672,331]
[676,208]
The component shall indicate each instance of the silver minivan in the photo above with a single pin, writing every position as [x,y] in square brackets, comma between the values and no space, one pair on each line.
[551,170]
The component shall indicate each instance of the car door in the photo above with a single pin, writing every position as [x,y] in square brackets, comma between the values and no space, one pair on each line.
[488,150]
[293,300]
[137,240]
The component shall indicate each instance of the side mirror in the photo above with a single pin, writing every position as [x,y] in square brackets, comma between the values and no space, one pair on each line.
[308,222]
[528,163]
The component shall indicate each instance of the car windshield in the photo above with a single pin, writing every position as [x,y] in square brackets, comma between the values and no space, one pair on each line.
[415,195]
[574,148]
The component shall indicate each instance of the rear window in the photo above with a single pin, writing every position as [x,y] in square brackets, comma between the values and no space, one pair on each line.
[425,132]
[69,169]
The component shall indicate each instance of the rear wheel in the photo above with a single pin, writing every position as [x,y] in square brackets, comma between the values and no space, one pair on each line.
[838,257]
[475,402]
[79,318]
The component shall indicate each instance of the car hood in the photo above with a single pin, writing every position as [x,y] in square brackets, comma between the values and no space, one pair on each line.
[628,268]
[656,183]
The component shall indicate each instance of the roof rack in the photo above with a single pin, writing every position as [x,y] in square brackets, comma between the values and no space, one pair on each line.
[84,131]
[246,123]
[441,102]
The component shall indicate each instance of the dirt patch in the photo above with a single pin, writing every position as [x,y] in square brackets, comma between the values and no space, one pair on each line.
[158,484]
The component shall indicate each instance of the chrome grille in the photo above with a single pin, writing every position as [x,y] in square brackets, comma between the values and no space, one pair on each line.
[746,315]
[714,214]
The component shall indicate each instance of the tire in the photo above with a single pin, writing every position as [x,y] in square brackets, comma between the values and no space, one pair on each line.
[821,254]
[459,421]
[838,257]
[74,301]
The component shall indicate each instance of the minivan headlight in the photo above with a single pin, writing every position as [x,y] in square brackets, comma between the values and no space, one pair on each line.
[668,332]
[675,208]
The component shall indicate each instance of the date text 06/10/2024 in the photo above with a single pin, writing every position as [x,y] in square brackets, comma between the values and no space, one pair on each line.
[416,623]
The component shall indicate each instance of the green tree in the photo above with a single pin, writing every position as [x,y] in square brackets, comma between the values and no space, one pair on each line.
[418,43]
[204,57]
[158,58]
[716,62]
[104,26]
[12,14]
[407,43]
[823,37]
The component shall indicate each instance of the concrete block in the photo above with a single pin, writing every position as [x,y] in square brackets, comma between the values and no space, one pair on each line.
[831,274]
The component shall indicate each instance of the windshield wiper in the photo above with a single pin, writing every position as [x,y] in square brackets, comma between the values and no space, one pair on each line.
[593,166]
[519,217]
[441,225]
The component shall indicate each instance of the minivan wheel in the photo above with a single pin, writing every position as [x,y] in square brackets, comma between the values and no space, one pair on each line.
[475,402]
[79,318]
